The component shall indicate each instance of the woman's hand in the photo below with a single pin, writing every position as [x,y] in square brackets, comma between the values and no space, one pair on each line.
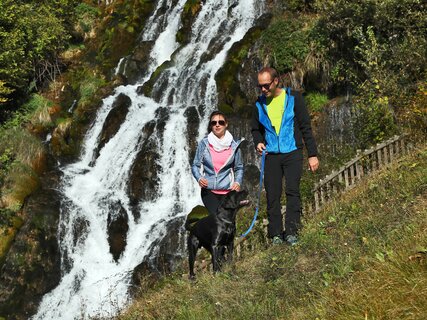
[203,182]
[235,187]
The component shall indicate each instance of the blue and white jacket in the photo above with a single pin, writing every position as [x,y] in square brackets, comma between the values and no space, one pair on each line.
[230,172]
[295,129]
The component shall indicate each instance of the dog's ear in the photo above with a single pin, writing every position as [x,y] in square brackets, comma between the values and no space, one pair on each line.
[230,201]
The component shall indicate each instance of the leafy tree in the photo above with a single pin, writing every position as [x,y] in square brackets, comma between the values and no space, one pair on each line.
[285,42]
[378,50]
[32,33]
[398,27]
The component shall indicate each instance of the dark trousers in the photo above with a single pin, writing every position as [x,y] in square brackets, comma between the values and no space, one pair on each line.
[288,165]
[211,200]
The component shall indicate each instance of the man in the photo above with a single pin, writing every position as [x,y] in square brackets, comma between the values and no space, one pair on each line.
[281,126]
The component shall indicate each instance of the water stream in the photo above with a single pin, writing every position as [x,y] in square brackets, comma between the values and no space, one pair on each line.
[93,284]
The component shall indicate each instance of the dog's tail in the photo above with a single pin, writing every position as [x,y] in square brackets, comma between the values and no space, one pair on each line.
[197,213]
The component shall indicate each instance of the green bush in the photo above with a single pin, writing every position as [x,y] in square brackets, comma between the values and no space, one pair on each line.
[315,101]
[374,122]
[29,111]
[286,44]
[31,42]
[372,35]
[86,16]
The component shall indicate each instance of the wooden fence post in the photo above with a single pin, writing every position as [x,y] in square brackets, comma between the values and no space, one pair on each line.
[364,163]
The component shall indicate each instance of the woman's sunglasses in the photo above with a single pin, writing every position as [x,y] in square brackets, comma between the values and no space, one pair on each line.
[220,122]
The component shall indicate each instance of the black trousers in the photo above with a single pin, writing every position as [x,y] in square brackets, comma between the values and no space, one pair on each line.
[276,166]
[211,200]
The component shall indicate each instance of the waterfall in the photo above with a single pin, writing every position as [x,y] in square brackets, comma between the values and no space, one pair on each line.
[93,284]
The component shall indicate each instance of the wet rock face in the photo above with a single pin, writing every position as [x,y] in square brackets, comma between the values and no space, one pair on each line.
[158,81]
[334,126]
[32,266]
[193,122]
[113,121]
[143,178]
[240,128]
[134,67]
[117,228]
[80,228]
[165,254]
[237,78]
[188,16]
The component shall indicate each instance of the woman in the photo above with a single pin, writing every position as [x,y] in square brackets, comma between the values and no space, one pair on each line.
[217,166]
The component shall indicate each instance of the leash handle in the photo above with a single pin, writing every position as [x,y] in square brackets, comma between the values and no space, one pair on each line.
[261,176]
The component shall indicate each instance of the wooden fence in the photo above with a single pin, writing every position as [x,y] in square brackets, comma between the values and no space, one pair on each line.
[345,178]
[363,164]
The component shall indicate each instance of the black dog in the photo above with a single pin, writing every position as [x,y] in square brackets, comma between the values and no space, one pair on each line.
[216,232]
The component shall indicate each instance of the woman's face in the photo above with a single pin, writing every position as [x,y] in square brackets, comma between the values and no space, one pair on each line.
[218,125]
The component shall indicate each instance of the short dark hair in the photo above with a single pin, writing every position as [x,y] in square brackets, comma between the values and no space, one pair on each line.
[271,71]
[213,114]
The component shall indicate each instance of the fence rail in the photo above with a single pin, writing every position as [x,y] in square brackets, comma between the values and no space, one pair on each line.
[364,164]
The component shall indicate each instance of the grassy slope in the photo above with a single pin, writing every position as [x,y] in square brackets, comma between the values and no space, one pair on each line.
[362,257]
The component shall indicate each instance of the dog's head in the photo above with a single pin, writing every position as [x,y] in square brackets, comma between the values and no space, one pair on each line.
[235,200]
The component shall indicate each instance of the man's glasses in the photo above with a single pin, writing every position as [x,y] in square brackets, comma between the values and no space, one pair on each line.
[266,86]
[220,122]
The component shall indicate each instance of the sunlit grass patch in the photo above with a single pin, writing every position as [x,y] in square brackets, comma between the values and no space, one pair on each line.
[25,159]
[25,147]
[89,86]
[9,225]
[20,182]
[394,283]
[362,257]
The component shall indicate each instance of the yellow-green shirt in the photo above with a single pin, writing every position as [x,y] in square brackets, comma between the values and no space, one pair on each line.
[275,110]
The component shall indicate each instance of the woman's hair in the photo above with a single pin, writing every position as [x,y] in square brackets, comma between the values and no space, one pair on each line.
[213,114]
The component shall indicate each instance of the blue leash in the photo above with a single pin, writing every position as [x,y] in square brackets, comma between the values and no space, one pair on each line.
[261,176]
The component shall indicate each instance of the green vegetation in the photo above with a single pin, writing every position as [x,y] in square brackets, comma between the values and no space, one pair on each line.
[315,101]
[32,33]
[87,17]
[376,50]
[22,154]
[286,43]
[362,257]
[191,9]
[118,31]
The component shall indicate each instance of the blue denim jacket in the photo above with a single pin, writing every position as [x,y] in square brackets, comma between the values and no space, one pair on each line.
[230,172]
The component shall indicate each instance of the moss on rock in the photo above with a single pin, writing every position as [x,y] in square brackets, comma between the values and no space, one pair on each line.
[189,13]
[119,30]
[231,99]
[147,87]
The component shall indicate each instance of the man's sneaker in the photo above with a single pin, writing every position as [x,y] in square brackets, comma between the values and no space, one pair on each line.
[277,240]
[291,239]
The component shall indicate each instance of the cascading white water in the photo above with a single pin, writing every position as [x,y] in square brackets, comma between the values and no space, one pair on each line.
[93,284]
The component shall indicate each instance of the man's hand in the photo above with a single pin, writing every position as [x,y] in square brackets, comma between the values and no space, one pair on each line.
[313,164]
[260,147]
[203,182]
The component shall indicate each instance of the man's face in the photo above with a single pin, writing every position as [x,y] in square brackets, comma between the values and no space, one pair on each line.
[267,85]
